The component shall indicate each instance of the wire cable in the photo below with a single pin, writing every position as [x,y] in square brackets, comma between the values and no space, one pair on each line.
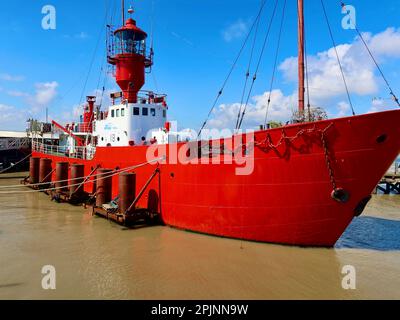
[337,56]
[231,69]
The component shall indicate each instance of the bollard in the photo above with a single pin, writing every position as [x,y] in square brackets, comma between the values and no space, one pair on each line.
[34,170]
[103,187]
[127,191]
[61,176]
[77,177]
[45,173]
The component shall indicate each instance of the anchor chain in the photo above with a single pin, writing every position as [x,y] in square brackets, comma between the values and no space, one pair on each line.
[328,161]
[338,194]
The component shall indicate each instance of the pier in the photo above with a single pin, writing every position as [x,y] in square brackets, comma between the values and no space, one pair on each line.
[390,182]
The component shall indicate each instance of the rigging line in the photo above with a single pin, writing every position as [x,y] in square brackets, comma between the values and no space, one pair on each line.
[103,175]
[93,56]
[373,59]
[15,164]
[86,179]
[248,69]
[275,62]
[258,64]
[231,69]
[337,56]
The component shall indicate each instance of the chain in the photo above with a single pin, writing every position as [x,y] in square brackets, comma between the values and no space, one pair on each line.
[328,160]
[268,143]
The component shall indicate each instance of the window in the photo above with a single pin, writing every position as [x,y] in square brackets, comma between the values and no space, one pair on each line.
[145,111]
[164,113]
[153,112]
[117,113]
[112,113]
[122,112]
[136,111]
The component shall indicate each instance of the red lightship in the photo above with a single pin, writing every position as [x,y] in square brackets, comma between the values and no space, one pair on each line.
[308,180]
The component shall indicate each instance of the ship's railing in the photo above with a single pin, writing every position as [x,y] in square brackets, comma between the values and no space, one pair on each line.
[14,143]
[65,151]
[144,97]
[82,127]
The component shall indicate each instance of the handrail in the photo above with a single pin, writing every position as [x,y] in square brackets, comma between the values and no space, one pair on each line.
[87,152]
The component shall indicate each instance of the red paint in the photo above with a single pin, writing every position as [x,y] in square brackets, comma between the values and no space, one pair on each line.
[287,199]
[88,115]
[130,58]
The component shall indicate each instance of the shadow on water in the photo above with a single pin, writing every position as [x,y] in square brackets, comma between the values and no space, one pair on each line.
[371,233]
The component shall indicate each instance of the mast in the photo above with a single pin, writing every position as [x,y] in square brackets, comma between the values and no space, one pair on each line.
[300,8]
[123,12]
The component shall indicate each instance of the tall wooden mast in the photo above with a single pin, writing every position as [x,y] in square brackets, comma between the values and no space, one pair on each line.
[123,12]
[301,54]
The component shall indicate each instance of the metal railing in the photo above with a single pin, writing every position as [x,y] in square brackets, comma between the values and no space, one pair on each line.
[86,153]
[14,143]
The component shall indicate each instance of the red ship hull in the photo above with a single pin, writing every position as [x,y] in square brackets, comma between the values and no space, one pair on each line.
[287,197]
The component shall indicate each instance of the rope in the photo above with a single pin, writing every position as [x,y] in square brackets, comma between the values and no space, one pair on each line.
[374,60]
[15,164]
[95,175]
[248,72]
[275,63]
[231,70]
[116,172]
[258,65]
[337,56]
[94,55]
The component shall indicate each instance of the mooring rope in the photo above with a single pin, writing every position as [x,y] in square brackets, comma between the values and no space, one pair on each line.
[15,164]
[103,176]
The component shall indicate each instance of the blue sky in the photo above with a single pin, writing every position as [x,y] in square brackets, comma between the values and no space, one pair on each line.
[195,43]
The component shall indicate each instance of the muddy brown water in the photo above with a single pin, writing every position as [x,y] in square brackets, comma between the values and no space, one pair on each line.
[97,259]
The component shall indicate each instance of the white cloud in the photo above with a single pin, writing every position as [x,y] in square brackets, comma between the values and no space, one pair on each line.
[4,107]
[360,72]
[343,108]
[386,43]
[45,93]
[16,93]
[326,84]
[281,108]
[235,31]
[8,77]
[11,118]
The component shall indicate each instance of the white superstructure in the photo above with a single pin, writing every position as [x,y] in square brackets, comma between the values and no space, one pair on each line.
[129,124]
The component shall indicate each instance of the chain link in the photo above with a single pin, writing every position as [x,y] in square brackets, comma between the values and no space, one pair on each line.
[328,160]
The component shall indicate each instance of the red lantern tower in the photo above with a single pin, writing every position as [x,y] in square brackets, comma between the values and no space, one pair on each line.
[128,52]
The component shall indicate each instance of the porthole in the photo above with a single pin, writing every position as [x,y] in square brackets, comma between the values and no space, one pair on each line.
[381,139]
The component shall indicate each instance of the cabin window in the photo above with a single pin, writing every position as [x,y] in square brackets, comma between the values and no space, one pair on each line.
[164,113]
[117,113]
[112,113]
[122,112]
[136,111]
[153,112]
[145,111]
